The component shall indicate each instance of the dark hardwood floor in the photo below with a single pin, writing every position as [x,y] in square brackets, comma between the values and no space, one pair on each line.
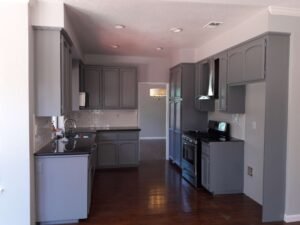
[152,149]
[155,194]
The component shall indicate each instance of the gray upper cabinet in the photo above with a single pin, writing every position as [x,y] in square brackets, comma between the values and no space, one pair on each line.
[128,88]
[254,60]
[53,61]
[111,88]
[246,62]
[231,98]
[92,86]
[235,65]
[202,72]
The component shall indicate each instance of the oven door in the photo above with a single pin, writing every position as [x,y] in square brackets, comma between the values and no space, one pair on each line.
[189,152]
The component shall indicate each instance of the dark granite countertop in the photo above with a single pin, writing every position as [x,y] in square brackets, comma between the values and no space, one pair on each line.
[101,129]
[230,139]
[78,146]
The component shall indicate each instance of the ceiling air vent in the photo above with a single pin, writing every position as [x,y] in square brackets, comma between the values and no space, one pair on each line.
[213,24]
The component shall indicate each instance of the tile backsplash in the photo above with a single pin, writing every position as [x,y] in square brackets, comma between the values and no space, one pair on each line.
[102,118]
[42,132]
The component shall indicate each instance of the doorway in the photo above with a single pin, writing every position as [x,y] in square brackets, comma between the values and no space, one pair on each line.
[152,114]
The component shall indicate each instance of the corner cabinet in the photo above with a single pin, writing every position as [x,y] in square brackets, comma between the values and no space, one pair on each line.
[246,63]
[110,87]
[53,65]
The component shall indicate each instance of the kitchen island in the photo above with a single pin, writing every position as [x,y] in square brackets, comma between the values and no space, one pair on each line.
[64,178]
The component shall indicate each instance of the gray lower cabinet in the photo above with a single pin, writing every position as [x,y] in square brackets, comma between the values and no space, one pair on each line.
[128,153]
[64,187]
[53,63]
[246,63]
[118,149]
[222,167]
[107,154]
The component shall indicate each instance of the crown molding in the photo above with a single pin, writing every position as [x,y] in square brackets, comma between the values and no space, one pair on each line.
[284,11]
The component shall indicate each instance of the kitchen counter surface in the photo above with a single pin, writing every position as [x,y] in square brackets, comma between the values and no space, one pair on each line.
[78,146]
[101,129]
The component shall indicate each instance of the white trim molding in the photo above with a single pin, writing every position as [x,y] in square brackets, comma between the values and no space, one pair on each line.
[152,138]
[291,218]
[284,11]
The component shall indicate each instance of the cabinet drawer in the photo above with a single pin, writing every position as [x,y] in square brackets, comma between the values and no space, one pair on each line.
[128,135]
[107,136]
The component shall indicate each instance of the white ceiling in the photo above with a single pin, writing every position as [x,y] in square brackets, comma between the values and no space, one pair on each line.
[148,22]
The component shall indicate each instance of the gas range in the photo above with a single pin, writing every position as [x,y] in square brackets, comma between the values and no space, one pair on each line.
[191,148]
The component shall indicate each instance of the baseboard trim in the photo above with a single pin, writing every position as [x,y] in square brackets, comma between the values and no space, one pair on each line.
[152,138]
[291,218]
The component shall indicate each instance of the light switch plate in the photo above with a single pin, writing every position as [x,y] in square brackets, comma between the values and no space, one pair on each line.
[250,171]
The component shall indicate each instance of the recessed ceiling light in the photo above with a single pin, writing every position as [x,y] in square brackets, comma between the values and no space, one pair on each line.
[213,24]
[120,26]
[159,48]
[115,46]
[176,29]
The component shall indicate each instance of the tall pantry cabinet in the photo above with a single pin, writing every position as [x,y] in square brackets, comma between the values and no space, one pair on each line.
[182,112]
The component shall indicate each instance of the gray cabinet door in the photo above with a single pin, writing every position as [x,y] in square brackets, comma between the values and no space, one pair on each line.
[177,75]
[172,115]
[66,77]
[128,88]
[205,171]
[254,60]
[222,81]
[177,106]
[128,154]
[172,85]
[231,98]
[171,145]
[235,65]
[107,155]
[111,88]
[92,84]
[177,148]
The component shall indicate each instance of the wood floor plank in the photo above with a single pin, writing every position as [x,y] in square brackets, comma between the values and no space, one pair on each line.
[155,194]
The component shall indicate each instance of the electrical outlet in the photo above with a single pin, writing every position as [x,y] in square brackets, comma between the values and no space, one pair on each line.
[250,171]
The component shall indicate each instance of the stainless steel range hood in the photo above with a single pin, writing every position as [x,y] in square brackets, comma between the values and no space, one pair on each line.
[208,79]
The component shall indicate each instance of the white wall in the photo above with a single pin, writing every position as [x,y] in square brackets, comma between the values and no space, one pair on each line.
[292,25]
[254,140]
[46,13]
[183,56]
[150,69]
[152,112]
[15,156]
[254,26]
